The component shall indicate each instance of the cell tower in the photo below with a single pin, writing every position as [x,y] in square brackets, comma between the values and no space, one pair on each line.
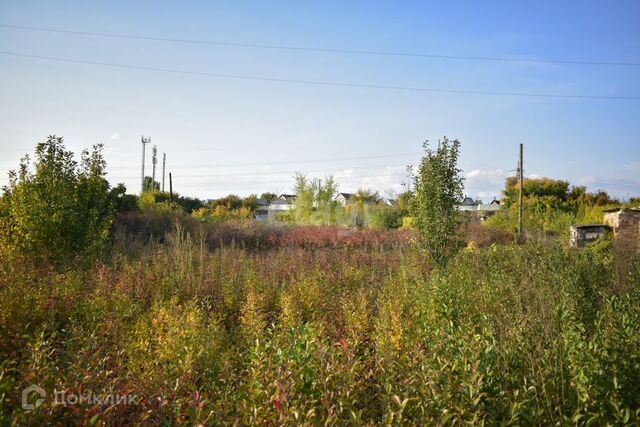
[144,141]
[164,161]
[154,160]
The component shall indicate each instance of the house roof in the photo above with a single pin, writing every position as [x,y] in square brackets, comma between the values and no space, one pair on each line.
[345,195]
[590,226]
[468,201]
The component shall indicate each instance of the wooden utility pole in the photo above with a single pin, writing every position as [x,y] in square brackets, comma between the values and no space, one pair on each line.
[521,188]
[170,188]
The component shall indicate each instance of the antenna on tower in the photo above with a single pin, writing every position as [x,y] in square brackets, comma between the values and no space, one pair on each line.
[144,141]
[154,160]
[164,161]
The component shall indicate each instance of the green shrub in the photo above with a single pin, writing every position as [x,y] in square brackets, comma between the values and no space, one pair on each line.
[57,209]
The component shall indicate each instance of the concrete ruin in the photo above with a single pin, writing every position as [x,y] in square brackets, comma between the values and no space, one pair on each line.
[582,234]
[625,222]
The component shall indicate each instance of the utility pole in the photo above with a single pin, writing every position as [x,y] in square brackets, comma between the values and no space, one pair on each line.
[144,141]
[170,188]
[521,188]
[154,160]
[164,161]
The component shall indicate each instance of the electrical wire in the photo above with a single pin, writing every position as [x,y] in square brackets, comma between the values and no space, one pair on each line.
[321,50]
[323,83]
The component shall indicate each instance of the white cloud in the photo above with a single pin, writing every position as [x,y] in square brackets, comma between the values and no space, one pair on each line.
[484,183]
[486,174]
[378,179]
[345,173]
[617,187]
[115,136]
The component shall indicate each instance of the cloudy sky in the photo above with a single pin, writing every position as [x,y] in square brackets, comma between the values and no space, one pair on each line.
[235,117]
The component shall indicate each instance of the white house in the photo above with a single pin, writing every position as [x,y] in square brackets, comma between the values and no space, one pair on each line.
[344,198]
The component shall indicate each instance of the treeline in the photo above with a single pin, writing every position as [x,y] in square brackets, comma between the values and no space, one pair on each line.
[56,207]
[550,206]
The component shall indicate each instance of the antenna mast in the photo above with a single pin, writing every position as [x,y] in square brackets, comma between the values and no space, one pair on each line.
[144,141]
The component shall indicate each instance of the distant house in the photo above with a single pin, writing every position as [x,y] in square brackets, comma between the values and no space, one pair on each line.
[387,201]
[262,211]
[489,207]
[287,197]
[469,204]
[280,205]
[344,198]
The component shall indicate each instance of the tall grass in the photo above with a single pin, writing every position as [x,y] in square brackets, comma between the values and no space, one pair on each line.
[326,333]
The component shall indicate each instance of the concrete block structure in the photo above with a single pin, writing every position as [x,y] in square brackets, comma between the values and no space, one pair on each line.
[625,222]
[580,235]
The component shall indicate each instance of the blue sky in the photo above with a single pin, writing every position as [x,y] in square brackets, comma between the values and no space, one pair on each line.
[239,136]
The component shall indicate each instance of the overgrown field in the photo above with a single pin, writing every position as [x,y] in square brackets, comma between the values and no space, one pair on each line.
[359,331]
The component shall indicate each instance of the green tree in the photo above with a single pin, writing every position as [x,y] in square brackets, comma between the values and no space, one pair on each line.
[58,209]
[123,202]
[230,202]
[438,190]
[250,203]
[553,189]
[269,197]
[150,184]
[326,206]
[366,195]
[305,194]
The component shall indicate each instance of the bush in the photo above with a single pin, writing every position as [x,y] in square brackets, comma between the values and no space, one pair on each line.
[58,209]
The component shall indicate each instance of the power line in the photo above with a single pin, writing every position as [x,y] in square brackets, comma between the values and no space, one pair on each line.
[262,181]
[288,162]
[319,82]
[321,50]
[272,173]
[258,174]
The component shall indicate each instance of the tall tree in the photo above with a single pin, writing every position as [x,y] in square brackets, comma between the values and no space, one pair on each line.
[305,195]
[438,189]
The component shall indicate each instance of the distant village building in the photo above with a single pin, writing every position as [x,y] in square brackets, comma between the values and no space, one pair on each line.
[344,199]
[287,197]
[580,235]
[469,204]
[262,211]
[478,211]
[284,202]
[494,205]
